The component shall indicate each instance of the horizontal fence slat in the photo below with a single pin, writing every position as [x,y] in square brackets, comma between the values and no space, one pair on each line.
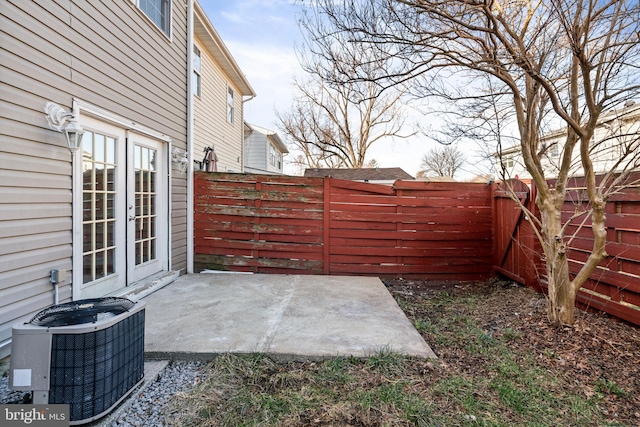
[243,222]
[614,286]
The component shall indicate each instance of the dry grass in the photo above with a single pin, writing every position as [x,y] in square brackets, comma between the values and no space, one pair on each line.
[499,365]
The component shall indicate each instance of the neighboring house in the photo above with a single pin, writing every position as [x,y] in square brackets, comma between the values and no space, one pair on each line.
[372,175]
[117,212]
[263,150]
[219,88]
[616,129]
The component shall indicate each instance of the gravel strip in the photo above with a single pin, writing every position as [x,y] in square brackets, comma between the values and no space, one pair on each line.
[6,395]
[149,406]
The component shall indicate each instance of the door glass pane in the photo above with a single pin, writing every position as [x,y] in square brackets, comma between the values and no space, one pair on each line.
[111,151]
[98,195]
[87,207]
[99,148]
[145,198]
[110,171]
[111,261]
[100,205]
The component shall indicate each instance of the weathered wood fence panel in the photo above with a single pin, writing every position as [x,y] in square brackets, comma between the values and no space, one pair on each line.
[258,223]
[516,251]
[614,287]
[275,224]
[442,230]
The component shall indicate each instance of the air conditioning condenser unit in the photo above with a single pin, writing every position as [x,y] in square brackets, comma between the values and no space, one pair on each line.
[88,354]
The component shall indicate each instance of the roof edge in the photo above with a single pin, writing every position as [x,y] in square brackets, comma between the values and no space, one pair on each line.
[230,66]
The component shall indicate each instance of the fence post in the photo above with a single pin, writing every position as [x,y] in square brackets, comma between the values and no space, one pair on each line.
[326,217]
[532,246]
[257,204]
[399,224]
[494,226]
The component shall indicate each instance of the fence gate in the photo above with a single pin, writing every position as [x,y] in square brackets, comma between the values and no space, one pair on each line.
[514,243]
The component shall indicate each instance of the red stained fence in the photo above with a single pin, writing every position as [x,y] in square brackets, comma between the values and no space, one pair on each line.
[614,287]
[279,224]
[440,231]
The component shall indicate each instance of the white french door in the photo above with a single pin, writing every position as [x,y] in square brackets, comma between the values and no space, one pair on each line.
[146,213]
[124,218]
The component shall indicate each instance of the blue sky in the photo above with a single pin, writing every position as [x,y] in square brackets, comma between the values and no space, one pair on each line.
[262,36]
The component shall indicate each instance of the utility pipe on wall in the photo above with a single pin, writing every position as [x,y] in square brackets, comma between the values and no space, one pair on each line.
[190,131]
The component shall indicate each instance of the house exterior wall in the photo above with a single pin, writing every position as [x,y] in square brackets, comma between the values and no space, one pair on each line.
[255,151]
[275,167]
[210,109]
[109,55]
[616,130]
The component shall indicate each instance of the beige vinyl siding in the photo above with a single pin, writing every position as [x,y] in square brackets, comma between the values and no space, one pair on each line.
[107,54]
[210,110]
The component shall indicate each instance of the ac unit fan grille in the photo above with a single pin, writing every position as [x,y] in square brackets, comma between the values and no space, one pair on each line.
[92,371]
[82,311]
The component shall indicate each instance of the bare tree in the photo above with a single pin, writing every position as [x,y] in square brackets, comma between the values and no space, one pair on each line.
[334,125]
[537,65]
[371,164]
[441,161]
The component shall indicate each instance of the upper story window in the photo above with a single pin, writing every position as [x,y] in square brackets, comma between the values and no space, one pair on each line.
[197,69]
[508,162]
[230,105]
[272,155]
[159,11]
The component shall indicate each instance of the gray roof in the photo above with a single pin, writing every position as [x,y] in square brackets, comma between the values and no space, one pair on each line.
[362,174]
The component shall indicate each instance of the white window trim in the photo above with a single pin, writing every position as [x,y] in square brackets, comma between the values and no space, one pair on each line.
[232,105]
[81,107]
[169,36]
[100,113]
[197,89]
[272,154]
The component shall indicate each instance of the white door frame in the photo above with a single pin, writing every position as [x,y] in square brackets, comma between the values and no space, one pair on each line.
[160,263]
[83,108]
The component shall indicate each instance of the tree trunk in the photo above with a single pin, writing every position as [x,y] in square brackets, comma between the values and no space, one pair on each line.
[561,296]
[560,288]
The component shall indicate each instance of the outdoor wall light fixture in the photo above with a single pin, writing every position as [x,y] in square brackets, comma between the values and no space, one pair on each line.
[61,121]
[180,157]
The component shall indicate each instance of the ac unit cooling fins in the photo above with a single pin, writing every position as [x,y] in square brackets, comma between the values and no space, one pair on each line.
[88,354]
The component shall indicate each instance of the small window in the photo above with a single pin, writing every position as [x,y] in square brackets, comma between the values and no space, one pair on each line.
[508,162]
[230,105]
[159,11]
[272,155]
[197,69]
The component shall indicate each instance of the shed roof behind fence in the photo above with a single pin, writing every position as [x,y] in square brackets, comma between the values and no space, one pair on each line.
[362,174]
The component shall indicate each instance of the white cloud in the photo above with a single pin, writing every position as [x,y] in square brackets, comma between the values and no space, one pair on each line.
[270,70]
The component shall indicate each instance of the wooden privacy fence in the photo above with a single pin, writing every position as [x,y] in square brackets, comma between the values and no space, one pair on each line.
[435,230]
[281,224]
[614,287]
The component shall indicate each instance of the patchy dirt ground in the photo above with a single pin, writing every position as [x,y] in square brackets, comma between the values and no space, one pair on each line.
[500,364]
[598,357]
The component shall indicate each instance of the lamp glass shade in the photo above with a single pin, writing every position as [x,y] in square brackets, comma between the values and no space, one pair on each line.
[73,132]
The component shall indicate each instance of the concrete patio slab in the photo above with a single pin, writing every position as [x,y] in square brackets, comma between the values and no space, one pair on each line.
[289,317]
